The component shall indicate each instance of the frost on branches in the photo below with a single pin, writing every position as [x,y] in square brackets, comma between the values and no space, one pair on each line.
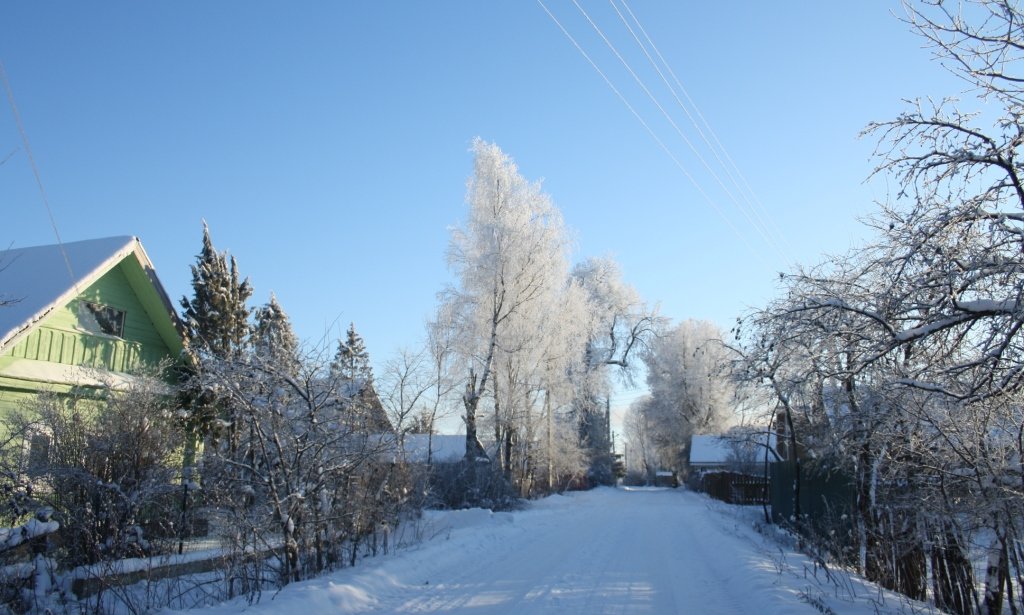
[903,362]
[619,326]
[691,392]
[297,465]
[534,341]
[304,473]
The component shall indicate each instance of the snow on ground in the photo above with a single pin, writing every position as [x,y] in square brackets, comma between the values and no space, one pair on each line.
[602,551]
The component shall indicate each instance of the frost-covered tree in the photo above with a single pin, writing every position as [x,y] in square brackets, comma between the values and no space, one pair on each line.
[217,316]
[902,361]
[303,477]
[508,258]
[273,337]
[109,471]
[953,243]
[352,361]
[619,326]
[620,323]
[642,459]
[841,405]
[351,369]
[692,392]
[405,385]
[532,393]
[440,348]
[217,328]
[562,340]
[540,344]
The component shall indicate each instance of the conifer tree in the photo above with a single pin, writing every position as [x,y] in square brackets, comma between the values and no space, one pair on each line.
[273,338]
[217,317]
[352,361]
[216,321]
[351,372]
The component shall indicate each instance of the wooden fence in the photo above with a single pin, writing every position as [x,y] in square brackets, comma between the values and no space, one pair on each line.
[735,488]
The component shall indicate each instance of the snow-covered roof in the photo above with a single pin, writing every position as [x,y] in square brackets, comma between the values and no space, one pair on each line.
[39,279]
[709,449]
[739,444]
[443,448]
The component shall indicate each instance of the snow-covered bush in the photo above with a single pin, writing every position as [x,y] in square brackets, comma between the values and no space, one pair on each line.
[300,477]
[453,486]
[902,362]
[107,471]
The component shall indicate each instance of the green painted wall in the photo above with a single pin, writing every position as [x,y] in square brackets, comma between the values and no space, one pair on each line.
[63,340]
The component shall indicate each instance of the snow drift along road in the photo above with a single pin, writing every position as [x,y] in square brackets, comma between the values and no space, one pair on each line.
[603,551]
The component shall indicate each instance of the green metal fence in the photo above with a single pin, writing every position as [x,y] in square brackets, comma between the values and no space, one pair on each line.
[825,495]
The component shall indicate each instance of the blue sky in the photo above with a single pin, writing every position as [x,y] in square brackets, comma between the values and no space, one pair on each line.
[327,143]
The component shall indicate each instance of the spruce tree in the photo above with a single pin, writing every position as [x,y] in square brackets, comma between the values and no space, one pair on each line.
[352,361]
[217,317]
[353,376]
[273,338]
[216,321]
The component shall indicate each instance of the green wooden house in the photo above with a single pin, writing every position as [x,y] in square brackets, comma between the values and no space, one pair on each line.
[80,316]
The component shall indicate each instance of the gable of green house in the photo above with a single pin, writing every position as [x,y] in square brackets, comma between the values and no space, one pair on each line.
[111,319]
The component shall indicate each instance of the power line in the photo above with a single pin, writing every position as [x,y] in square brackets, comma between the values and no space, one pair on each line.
[35,169]
[773,239]
[650,131]
[740,194]
[9,156]
[753,221]
[731,169]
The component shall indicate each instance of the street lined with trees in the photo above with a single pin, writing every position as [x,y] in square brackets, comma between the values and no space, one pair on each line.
[900,363]
[897,366]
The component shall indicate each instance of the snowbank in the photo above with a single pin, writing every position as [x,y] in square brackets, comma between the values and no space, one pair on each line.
[602,551]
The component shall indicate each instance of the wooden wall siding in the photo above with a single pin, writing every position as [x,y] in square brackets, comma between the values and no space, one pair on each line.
[62,339]
[72,348]
[11,399]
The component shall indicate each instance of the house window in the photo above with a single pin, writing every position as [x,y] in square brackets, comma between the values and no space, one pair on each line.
[107,319]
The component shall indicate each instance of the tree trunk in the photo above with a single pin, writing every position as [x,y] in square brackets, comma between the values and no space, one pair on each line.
[996,575]
[470,400]
[952,578]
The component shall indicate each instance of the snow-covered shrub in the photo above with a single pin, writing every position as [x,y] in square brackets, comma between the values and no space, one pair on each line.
[456,485]
[902,361]
[109,469]
[300,480]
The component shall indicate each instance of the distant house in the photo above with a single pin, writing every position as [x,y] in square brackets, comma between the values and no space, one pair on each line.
[709,452]
[80,316]
[366,412]
[666,478]
[741,450]
[423,449]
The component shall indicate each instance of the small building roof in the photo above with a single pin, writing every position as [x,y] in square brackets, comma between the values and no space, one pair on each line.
[709,449]
[443,448]
[739,444]
[36,280]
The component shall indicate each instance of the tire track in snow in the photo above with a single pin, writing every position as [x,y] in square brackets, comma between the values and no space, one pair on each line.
[604,552]
[634,552]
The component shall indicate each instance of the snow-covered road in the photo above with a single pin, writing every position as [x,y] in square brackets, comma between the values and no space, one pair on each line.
[603,551]
[625,552]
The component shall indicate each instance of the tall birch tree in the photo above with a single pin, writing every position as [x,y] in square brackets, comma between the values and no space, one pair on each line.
[508,257]
[619,326]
